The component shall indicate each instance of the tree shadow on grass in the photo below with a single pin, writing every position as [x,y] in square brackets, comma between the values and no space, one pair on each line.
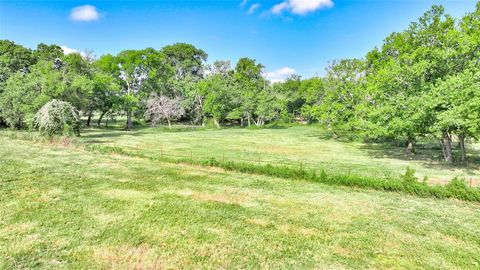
[428,156]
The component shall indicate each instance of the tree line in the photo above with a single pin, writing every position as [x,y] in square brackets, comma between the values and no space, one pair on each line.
[421,82]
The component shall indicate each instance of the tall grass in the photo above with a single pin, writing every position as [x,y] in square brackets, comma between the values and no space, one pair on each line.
[407,183]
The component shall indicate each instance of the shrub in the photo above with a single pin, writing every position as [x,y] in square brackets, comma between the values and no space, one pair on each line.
[58,117]
[409,176]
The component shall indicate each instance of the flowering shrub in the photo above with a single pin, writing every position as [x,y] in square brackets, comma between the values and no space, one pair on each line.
[58,117]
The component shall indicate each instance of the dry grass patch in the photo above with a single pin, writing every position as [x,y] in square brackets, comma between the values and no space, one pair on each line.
[141,257]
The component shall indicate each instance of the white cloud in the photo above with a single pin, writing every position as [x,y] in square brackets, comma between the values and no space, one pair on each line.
[243,3]
[67,50]
[279,75]
[301,6]
[84,13]
[253,8]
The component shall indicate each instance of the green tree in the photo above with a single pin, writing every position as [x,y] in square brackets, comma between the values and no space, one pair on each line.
[48,52]
[217,91]
[26,93]
[343,96]
[401,73]
[186,59]
[14,58]
[141,72]
[249,82]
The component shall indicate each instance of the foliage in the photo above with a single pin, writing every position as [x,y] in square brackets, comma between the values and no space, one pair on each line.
[25,94]
[185,59]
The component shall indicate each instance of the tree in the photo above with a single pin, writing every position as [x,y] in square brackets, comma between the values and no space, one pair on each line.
[312,90]
[160,108]
[456,101]
[249,82]
[141,71]
[185,59]
[107,87]
[14,58]
[290,96]
[48,52]
[26,93]
[401,73]
[58,117]
[343,96]
[217,92]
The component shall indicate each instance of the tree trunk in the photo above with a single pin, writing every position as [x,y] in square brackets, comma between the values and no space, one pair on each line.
[447,147]
[463,151]
[129,120]
[169,124]
[89,118]
[215,121]
[248,119]
[409,147]
[99,121]
[241,121]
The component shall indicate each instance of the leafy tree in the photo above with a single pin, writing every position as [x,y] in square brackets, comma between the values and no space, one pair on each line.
[343,95]
[185,59]
[401,74]
[290,97]
[48,52]
[26,93]
[312,90]
[456,101]
[249,81]
[14,58]
[141,71]
[217,92]
[107,87]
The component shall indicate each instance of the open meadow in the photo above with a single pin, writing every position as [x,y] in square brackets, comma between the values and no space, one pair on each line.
[296,146]
[62,207]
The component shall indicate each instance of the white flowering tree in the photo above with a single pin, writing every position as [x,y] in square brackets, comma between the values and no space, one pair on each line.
[58,117]
[162,108]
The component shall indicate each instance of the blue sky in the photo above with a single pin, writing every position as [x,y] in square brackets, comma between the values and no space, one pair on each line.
[286,36]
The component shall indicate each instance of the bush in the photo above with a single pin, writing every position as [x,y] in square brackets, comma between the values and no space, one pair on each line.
[58,117]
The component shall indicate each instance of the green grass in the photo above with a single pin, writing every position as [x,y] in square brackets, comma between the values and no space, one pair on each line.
[300,146]
[66,208]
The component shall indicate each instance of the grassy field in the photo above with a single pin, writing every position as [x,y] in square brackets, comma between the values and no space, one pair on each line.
[62,207]
[296,146]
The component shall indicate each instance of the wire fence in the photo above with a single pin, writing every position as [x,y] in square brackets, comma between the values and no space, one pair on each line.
[317,165]
[224,158]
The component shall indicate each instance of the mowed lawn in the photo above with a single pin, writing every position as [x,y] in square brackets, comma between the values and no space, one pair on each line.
[294,146]
[65,208]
